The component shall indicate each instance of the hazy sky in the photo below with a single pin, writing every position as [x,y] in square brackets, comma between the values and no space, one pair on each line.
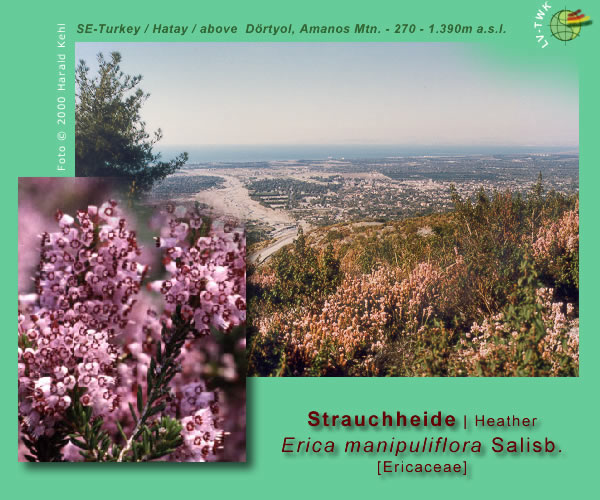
[333,93]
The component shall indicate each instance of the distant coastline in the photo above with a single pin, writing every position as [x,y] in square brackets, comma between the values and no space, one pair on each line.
[250,153]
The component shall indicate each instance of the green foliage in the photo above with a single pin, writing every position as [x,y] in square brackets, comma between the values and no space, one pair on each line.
[46,448]
[266,355]
[563,273]
[156,440]
[95,444]
[329,270]
[24,342]
[434,353]
[302,274]
[110,137]
[322,364]
[142,445]
[333,235]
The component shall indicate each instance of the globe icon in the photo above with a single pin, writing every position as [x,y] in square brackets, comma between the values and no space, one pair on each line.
[560,29]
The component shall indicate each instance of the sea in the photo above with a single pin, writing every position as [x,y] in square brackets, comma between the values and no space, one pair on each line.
[244,153]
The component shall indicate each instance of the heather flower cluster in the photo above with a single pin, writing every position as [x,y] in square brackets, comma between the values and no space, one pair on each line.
[105,374]
[560,238]
[355,322]
[200,428]
[84,297]
[556,249]
[489,341]
[207,278]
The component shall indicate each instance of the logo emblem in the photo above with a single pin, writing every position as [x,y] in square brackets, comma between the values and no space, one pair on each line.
[566,25]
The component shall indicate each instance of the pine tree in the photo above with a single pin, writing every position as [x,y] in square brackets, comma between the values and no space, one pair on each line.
[110,136]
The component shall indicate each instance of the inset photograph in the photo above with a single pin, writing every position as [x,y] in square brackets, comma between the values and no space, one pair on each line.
[131,328]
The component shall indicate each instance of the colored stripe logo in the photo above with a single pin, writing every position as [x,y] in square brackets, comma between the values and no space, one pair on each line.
[577,17]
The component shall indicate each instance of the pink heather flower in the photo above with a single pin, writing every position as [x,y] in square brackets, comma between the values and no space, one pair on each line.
[85,286]
[208,273]
[201,437]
